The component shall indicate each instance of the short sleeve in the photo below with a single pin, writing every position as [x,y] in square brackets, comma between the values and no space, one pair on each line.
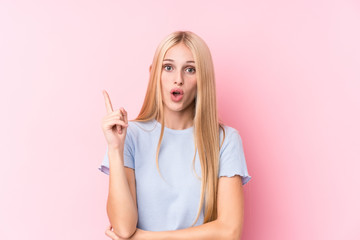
[128,154]
[232,158]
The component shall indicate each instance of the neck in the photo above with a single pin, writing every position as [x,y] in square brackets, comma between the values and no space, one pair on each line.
[179,120]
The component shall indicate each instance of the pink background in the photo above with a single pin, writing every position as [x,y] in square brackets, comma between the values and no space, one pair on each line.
[287,78]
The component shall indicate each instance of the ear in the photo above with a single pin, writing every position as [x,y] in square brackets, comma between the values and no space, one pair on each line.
[150,69]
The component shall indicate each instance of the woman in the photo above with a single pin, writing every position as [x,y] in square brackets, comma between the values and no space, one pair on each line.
[175,171]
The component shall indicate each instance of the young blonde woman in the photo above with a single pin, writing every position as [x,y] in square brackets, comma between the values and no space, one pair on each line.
[175,172]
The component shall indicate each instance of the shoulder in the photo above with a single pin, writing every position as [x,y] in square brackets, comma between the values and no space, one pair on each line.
[232,156]
[138,133]
[228,132]
[229,137]
[137,128]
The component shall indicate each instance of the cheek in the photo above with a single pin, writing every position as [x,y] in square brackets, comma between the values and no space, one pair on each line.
[195,86]
[162,90]
[193,91]
[164,79]
[162,83]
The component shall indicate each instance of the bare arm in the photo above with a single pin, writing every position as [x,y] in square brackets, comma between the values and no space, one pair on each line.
[228,225]
[214,230]
[121,203]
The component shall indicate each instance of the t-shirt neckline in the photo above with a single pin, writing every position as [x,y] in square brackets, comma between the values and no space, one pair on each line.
[177,131]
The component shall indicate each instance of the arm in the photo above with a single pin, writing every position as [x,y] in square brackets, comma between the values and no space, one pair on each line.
[228,225]
[121,204]
[230,219]
[214,230]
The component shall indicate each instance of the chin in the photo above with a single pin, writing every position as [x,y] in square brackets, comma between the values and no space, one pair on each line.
[174,107]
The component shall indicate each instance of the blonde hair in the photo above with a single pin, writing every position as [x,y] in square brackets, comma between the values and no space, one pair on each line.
[206,122]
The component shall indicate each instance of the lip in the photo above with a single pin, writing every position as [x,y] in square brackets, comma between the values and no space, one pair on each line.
[177,90]
[177,97]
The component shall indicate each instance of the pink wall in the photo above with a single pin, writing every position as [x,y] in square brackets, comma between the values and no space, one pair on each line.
[287,78]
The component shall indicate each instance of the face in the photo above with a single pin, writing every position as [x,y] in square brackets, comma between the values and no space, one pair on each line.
[178,79]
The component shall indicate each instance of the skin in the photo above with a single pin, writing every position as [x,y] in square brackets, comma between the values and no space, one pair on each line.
[115,136]
[228,225]
[121,203]
[179,71]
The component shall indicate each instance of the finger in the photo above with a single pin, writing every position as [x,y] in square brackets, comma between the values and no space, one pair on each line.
[117,113]
[119,124]
[111,234]
[115,121]
[108,105]
[125,115]
[119,129]
[114,113]
[115,117]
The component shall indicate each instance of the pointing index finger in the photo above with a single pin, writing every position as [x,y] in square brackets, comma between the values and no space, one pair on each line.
[108,105]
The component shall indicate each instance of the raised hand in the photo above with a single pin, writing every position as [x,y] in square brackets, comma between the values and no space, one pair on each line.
[114,124]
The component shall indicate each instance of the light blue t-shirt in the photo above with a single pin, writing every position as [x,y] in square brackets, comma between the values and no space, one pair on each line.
[172,204]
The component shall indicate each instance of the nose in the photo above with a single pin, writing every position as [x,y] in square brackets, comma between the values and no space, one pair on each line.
[179,79]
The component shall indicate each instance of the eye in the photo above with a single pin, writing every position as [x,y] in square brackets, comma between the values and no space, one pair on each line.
[190,70]
[168,67]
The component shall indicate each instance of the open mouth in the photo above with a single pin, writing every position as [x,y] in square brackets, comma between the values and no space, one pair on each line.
[177,92]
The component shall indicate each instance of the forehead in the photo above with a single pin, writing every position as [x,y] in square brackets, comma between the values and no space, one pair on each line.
[179,52]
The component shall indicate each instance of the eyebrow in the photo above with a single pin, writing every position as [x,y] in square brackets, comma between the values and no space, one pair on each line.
[170,60]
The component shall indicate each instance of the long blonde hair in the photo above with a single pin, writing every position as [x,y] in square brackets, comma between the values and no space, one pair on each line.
[206,122]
